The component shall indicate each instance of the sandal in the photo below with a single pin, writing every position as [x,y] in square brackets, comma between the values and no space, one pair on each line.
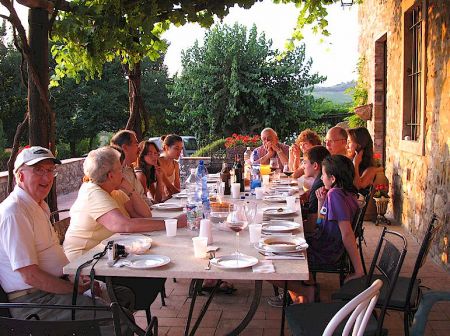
[224,287]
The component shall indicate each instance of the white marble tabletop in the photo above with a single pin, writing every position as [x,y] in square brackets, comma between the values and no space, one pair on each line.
[183,264]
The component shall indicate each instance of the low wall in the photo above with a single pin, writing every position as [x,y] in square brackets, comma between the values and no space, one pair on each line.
[69,179]
[70,174]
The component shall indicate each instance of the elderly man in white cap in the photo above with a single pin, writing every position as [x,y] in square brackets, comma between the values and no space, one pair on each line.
[31,259]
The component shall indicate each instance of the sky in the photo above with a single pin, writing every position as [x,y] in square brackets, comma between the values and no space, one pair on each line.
[335,58]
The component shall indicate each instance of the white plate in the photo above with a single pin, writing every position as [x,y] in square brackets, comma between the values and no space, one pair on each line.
[274,198]
[231,261]
[167,206]
[263,248]
[131,241]
[180,195]
[280,226]
[279,212]
[285,182]
[284,189]
[281,243]
[146,261]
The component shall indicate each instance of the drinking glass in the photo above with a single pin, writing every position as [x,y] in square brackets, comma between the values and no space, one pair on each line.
[250,210]
[287,172]
[237,221]
[273,164]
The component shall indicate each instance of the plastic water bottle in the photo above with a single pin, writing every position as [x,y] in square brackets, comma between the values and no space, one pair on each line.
[202,175]
[193,205]
[247,155]
[254,156]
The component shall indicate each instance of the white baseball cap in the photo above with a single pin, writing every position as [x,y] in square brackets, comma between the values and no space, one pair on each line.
[33,155]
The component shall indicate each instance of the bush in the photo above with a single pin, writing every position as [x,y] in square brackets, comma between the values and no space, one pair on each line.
[213,147]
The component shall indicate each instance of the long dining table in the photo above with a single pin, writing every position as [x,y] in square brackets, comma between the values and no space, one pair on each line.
[183,264]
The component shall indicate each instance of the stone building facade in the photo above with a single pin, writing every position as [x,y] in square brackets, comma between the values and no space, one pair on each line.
[406,48]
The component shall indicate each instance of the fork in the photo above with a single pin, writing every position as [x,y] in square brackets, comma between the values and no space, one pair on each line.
[212,255]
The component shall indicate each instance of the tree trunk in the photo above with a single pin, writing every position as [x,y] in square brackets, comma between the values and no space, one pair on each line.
[41,119]
[73,150]
[134,92]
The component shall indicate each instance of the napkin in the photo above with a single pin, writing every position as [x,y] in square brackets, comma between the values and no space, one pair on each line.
[264,266]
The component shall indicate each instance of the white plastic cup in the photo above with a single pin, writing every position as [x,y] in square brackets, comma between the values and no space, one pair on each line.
[255,232]
[200,246]
[205,230]
[301,182]
[266,180]
[236,190]
[290,202]
[171,227]
[259,193]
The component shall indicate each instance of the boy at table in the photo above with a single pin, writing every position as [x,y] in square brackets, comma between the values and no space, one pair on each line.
[312,166]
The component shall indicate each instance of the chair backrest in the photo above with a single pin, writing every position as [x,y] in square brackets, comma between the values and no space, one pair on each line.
[359,217]
[60,226]
[4,312]
[360,308]
[18,327]
[388,260]
[430,234]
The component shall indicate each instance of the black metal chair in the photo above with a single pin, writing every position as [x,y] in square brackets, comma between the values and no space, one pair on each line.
[407,293]
[18,327]
[359,225]
[312,319]
[60,225]
[343,265]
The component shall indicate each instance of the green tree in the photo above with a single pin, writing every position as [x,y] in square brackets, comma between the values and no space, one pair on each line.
[235,83]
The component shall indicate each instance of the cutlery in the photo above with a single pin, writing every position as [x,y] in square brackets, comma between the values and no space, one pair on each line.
[212,255]
[135,234]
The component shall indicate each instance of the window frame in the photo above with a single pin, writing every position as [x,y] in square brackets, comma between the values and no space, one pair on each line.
[416,146]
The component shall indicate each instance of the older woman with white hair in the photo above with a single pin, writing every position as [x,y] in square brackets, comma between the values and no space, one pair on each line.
[96,215]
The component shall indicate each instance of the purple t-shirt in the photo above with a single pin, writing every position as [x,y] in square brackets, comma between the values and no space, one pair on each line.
[325,245]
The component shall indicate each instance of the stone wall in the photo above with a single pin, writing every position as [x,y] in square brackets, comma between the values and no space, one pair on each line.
[69,179]
[419,183]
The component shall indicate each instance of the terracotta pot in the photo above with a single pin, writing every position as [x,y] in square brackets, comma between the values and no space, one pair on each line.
[371,212]
[381,204]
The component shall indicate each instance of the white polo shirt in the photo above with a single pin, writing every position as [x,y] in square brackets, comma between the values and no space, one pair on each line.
[27,238]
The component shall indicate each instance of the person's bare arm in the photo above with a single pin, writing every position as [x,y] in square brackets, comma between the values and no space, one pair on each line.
[37,278]
[115,221]
[349,241]
[141,177]
[363,180]
[281,155]
[137,207]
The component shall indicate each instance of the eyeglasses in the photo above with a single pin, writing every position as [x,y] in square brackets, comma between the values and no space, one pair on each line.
[329,140]
[39,171]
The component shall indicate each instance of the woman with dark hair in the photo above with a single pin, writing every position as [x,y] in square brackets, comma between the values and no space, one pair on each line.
[172,148]
[360,149]
[337,204]
[148,171]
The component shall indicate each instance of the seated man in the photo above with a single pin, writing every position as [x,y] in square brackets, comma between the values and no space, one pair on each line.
[336,141]
[270,148]
[31,259]
[312,165]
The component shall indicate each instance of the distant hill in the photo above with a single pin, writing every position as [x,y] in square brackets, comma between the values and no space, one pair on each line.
[334,93]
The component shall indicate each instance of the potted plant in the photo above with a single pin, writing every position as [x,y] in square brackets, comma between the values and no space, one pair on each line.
[381,198]
[237,143]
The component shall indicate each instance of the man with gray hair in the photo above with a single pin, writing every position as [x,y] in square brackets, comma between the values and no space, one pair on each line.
[270,148]
[31,259]
[336,141]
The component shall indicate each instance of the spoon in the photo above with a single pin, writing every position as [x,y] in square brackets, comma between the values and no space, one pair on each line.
[212,254]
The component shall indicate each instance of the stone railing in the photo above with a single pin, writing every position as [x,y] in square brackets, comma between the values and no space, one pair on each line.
[69,179]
